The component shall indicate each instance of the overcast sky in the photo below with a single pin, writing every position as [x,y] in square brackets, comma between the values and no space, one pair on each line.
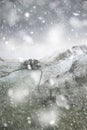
[40,28]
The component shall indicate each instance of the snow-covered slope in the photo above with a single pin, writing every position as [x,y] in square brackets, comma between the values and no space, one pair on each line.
[63,62]
[52,97]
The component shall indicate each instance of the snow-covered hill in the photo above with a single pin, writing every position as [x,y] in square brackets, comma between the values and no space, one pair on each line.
[52,97]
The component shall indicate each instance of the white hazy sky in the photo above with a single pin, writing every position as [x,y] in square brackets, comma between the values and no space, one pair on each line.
[22,46]
[41,28]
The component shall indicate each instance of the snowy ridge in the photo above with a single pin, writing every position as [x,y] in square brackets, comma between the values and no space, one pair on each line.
[74,51]
[63,62]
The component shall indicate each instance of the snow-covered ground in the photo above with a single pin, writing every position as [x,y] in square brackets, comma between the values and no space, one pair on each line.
[57,99]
